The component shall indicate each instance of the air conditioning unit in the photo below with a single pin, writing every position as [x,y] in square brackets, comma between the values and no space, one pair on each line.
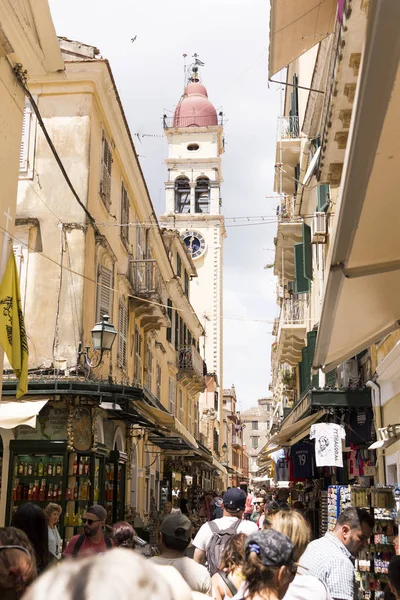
[347,373]
[319,228]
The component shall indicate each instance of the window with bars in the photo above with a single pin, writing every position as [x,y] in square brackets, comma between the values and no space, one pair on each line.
[138,341]
[181,407]
[254,442]
[171,395]
[254,425]
[149,367]
[122,335]
[158,381]
[124,216]
[104,292]
[105,171]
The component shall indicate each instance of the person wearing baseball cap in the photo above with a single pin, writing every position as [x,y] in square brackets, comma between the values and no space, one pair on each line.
[233,504]
[93,540]
[268,565]
[174,537]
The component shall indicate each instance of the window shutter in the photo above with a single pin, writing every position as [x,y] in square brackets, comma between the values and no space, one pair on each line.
[311,341]
[149,368]
[330,378]
[301,284]
[172,395]
[181,407]
[196,420]
[178,266]
[307,252]
[158,382]
[306,370]
[186,284]
[124,215]
[294,98]
[26,129]
[169,313]
[106,166]
[122,335]
[138,356]
[190,415]
[296,178]
[323,197]
[104,293]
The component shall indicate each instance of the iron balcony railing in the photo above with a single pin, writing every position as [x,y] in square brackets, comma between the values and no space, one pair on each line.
[288,127]
[192,121]
[285,211]
[189,359]
[293,311]
[146,279]
[236,441]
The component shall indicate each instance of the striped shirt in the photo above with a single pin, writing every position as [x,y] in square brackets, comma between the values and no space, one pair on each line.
[329,560]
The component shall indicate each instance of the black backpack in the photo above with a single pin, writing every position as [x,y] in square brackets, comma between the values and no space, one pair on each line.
[81,539]
[217,544]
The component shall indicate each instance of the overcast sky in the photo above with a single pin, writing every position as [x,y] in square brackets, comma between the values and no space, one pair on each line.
[231,38]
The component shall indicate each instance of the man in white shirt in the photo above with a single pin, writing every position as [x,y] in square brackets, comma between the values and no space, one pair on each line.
[175,535]
[233,504]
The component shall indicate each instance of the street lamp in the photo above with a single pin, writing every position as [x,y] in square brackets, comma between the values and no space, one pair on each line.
[103,337]
[224,448]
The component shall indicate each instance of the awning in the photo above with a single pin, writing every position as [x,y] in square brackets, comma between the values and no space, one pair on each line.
[295,27]
[218,466]
[361,299]
[13,414]
[292,434]
[170,422]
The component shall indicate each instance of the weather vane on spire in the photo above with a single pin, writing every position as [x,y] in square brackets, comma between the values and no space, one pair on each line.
[192,71]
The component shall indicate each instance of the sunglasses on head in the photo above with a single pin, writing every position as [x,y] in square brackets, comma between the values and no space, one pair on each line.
[90,521]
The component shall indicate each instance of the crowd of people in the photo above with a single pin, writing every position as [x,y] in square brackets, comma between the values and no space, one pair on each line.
[265,553]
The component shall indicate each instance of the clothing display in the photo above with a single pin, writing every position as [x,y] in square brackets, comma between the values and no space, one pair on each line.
[282,467]
[302,456]
[328,444]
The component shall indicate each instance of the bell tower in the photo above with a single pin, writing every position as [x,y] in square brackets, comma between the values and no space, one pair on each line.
[193,207]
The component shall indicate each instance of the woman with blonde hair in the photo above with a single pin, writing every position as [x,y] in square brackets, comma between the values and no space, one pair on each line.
[228,579]
[303,587]
[52,513]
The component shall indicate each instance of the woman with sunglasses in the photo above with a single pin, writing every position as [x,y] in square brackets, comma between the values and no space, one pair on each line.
[17,563]
[93,540]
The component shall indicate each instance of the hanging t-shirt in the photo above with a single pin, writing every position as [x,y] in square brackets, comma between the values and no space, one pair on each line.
[360,426]
[328,444]
[281,466]
[302,456]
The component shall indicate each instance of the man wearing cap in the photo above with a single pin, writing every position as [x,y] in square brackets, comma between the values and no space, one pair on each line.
[93,541]
[174,538]
[233,504]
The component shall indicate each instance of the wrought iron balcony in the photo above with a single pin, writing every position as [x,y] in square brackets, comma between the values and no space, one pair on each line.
[236,441]
[146,279]
[288,128]
[191,367]
[293,311]
[292,330]
[285,211]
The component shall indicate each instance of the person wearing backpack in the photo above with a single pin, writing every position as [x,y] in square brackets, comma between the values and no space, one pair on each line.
[212,536]
[93,540]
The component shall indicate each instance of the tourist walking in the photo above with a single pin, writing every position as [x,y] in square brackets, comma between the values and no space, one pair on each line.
[52,513]
[212,537]
[30,519]
[331,558]
[93,540]
[175,536]
[228,579]
[17,563]
[123,535]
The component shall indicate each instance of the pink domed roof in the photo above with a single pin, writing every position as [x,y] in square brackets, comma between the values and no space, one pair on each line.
[195,109]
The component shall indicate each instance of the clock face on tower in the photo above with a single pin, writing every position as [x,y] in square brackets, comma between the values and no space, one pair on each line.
[195,243]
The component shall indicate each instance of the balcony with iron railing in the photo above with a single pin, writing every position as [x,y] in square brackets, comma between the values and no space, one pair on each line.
[148,284]
[290,232]
[288,146]
[237,441]
[292,330]
[192,121]
[191,368]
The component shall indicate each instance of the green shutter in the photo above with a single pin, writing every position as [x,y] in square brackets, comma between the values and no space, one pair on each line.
[294,97]
[301,284]
[323,197]
[330,378]
[306,371]
[307,252]
[311,341]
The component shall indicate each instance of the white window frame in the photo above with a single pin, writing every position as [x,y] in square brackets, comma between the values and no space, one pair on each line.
[172,396]
[104,300]
[123,324]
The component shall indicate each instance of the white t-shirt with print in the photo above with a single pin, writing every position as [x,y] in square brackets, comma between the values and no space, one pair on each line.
[328,444]
[205,534]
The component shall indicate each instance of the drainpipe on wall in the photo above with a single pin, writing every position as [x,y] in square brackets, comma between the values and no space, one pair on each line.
[377,404]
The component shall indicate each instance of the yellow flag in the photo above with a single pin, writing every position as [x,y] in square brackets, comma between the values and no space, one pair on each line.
[12,326]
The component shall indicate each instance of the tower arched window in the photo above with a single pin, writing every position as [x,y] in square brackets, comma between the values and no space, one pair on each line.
[182,195]
[202,195]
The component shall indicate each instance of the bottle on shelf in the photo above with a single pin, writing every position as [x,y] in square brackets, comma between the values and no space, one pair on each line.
[75,466]
[59,495]
[68,493]
[21,467]
[31,491]
[30,468]
[55,491]
[15,468]
[25,496]
[59,468]
[15,488]
[50,492]
[42,491]
[40,468]
[81,465]
[76,490]
[50,468]
[25,468]
[96,493]
[86,466]
[35,469]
